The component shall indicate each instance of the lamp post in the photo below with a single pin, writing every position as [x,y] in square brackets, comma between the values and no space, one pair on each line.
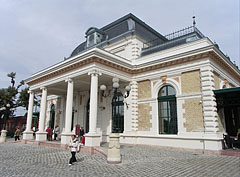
[4,131]
[114,145]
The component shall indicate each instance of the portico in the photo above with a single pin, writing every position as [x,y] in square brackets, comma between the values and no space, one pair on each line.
[74,89]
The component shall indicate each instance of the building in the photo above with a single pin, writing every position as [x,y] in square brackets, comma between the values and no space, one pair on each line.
[172,79]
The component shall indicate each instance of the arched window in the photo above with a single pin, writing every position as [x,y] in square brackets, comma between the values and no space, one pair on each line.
[167,110]
[52,116]
[117,113]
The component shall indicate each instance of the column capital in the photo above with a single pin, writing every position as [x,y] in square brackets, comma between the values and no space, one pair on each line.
[94,72]
[30,92]
[43,88]
[69,80]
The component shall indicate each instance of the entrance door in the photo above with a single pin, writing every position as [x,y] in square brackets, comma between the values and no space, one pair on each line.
[118,113]
[232,119]
[52,117]
[87,117]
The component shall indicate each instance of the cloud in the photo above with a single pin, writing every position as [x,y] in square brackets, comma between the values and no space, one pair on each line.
[37,34]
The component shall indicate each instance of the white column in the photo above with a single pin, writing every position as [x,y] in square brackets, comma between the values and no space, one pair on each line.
[41,135]
[66,135]
[69,105]
[62,114]
[92,138]
[28,133]
[93,103]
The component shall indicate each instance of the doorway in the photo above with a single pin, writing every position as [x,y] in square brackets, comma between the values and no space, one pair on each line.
[118,113]
[52,117]
[87,117]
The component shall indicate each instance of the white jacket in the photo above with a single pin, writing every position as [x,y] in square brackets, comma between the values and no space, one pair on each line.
[73,145]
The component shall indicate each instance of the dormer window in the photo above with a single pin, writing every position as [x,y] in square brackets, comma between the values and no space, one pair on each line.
[94,36]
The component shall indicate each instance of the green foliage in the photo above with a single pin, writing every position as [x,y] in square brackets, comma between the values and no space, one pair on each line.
[23,98]
[8,96]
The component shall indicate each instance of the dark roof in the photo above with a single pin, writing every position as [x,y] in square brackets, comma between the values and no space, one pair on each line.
[120,28]
[175,39]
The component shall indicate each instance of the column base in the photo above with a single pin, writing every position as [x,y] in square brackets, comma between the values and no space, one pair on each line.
[28,135]
[41,136]
[114,156]
[92,140]
[66,137]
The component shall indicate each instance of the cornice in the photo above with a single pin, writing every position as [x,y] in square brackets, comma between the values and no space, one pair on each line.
[113,63]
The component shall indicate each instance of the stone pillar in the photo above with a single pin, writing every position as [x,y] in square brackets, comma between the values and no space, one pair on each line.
[66,135]
[134,105]
[114,156]
[92,138]
[209,100]
[41,135]
[3,136]
[28,133]
[210,119]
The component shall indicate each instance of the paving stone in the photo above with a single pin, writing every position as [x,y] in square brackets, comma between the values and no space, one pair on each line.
[23,160]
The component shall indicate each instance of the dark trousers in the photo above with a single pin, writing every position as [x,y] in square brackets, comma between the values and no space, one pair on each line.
[17,138]
[55,136]
[73,158]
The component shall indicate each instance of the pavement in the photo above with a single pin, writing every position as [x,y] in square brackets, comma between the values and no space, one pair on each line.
[24,160]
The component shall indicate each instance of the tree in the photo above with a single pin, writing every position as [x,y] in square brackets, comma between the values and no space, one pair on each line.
[24,97]
[8,103]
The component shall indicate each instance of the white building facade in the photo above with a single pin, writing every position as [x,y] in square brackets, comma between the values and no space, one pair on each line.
[172,78]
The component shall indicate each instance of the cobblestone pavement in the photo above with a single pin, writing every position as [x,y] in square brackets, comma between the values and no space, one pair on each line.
[24,160]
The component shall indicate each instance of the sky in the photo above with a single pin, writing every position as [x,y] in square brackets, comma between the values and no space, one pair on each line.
[35,34]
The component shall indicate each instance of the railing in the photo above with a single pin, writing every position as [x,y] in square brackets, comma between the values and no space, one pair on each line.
[172,36]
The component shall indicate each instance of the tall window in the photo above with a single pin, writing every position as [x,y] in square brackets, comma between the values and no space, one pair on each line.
[117,113]
[167,110]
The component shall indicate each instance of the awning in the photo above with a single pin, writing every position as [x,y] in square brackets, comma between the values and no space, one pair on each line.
[227,97]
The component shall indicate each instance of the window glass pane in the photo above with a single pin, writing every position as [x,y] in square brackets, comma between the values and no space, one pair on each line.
[167,110]
[163,105]
[121,110]
[171,90]
[163,91]
[118,113]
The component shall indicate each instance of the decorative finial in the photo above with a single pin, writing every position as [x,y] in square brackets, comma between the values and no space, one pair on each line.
[194,22]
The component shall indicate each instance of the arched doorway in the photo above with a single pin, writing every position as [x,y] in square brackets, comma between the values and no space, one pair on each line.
[52,117]
[167,110]
[72,118]
[118,113]
[87,117]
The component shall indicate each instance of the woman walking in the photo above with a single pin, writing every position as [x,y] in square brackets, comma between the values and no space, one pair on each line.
[73,146]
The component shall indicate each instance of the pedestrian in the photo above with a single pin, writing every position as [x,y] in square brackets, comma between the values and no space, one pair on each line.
[81,133]
[47,130]
[50,133]
[73,145]
[17,134]
[56,132]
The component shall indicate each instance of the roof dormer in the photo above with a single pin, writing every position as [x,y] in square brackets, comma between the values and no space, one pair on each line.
[94,36]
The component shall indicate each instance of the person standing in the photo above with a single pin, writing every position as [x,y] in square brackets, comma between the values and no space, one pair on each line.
[81,133]
[73,145]
[56,132]
[17,134]
[47,130]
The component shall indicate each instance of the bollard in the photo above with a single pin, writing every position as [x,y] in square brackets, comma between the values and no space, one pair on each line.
[114,156]
[3,136]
